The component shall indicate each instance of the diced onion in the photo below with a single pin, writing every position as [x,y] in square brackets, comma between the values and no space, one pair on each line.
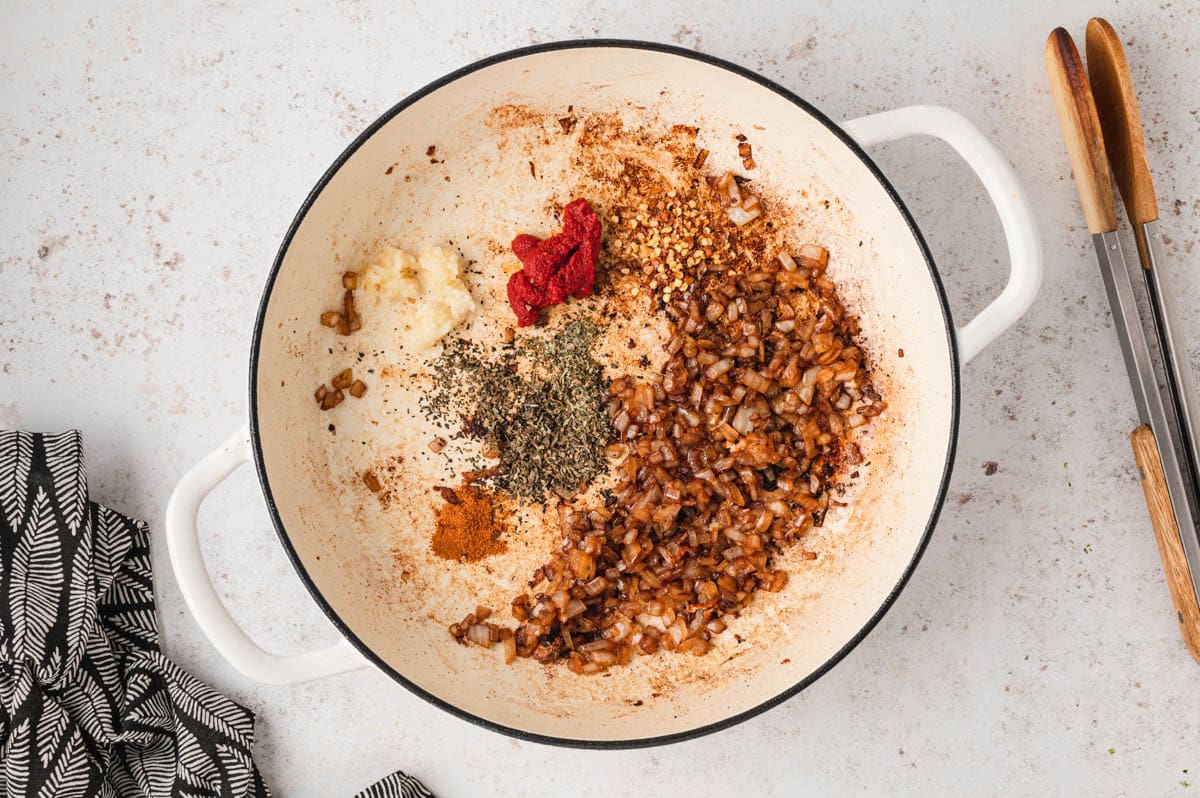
[740,216]
[480,634]
[724,457]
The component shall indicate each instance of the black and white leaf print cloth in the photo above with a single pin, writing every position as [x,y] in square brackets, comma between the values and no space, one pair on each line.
[89,706]
[397,785]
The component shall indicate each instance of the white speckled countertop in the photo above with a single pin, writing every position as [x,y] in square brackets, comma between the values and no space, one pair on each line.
[151,159]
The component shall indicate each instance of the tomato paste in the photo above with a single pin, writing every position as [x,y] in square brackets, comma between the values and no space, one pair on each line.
[557,267]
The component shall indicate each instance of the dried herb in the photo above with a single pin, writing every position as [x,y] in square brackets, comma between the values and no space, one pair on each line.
[548,424]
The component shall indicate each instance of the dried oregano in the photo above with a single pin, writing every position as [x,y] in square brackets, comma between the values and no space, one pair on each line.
[547,423]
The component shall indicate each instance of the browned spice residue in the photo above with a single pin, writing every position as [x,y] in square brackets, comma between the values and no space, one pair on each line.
[468,528]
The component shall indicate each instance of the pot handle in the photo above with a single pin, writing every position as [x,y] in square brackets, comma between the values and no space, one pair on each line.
[183,544]
[997,176]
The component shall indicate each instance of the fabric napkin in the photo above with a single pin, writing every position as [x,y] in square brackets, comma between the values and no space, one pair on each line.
[89,705]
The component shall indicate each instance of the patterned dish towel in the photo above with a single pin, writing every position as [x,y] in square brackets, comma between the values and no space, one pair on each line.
[89,706]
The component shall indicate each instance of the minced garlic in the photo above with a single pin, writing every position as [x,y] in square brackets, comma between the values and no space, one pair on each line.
[427,288]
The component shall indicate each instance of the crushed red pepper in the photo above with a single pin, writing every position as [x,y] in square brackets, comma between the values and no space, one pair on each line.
[556,267]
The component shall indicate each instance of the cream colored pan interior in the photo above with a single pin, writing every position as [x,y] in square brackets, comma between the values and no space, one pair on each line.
[369,563]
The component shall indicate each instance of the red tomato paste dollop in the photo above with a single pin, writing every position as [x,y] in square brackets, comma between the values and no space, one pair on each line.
[557,267]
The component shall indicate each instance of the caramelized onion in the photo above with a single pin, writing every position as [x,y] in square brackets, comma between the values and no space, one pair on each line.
[724,460]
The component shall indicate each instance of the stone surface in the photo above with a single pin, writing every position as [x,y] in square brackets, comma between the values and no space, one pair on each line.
[151,159]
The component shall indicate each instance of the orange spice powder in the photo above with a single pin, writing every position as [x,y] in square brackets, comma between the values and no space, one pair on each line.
[468,526]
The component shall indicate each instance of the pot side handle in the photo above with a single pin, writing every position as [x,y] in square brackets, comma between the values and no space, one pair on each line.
[183,544]
[997,176]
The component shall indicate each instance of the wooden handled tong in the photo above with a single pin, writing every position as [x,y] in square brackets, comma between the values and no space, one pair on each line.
[1102,127]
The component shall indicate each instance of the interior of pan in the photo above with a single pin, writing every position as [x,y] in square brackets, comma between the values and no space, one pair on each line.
[368,564]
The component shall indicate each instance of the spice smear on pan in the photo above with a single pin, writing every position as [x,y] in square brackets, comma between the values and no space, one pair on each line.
[548,425]
[468,526]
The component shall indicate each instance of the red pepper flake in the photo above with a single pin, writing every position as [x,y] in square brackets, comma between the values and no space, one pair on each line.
[557,267]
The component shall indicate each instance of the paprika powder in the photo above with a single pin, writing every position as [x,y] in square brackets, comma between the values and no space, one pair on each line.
[467,529]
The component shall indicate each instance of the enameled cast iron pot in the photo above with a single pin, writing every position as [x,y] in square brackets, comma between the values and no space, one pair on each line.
[337,539]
